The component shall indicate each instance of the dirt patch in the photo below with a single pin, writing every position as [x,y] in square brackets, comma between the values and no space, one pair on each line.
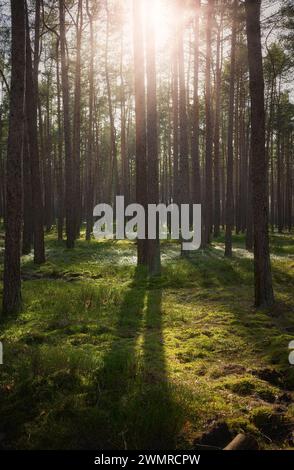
[272,423]
[271,376]
[234,369]
[217,436]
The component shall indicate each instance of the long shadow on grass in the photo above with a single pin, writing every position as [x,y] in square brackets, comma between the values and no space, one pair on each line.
[117,380]
[133,390]
[161,416]
[216,270]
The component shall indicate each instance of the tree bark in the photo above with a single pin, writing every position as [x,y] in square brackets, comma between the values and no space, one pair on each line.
[209,128]
[196,177]
[60,192]
[27,230]
[113,174]
[140,112]
[90,136]
[264,296]
[77,121]
[32,119]
[69,192]
[123,142]
[152,137]
[12,276]
[184,191]
[175,106]
[217,197]
[230,162]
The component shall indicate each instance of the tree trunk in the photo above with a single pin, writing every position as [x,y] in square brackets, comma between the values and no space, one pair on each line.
[152,138]
[217,208]
[140,111]
[230,162]
[123,142]
[175,106]
[69,190]
[264,296]
[289,183]
[27,230]
[32,118]
[196,178]
[184,193]
[209,128]
[90,137]
[114,180]
[60,192]
[12,276]
[2,170]
[77,122]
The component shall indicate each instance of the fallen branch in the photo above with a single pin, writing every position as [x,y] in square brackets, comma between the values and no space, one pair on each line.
[242,442]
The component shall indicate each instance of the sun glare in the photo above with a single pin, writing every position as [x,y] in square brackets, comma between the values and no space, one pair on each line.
[161,22]
[161,16]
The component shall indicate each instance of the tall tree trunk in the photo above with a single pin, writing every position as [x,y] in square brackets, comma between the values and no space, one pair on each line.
[264,296]
[230,162]
[114,180]
[184,192]
[217,197]
[196,177]
[69,190]
[279,173]
[152,137]
[140,111]
[269,148]
[272,193]
[123,142]
[28,212]
[60,192]
[2,169]
[48,164]
[27,230]
[289,183]
[249,212]
[77,121]
[32,118]
[175,106]
[209,128]
[90,136]
[243,161]
[12,276]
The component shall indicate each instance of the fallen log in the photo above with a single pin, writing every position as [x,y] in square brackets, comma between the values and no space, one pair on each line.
[242,442]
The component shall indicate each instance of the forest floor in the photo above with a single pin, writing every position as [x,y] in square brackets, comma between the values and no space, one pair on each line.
[103,357]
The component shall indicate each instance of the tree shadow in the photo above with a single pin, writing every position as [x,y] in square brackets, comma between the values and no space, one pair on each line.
[117,380]
[136,410]
[216,270]
[162,411]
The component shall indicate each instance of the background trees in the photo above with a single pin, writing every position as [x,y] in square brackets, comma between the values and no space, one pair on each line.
[182,101]
[155,106]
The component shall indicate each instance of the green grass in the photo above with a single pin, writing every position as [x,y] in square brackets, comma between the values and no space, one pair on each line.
[103,357]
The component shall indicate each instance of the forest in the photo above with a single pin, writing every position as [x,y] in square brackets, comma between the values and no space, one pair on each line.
[130,343]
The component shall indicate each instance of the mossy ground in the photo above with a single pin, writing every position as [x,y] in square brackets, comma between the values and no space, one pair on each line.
[103,357]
